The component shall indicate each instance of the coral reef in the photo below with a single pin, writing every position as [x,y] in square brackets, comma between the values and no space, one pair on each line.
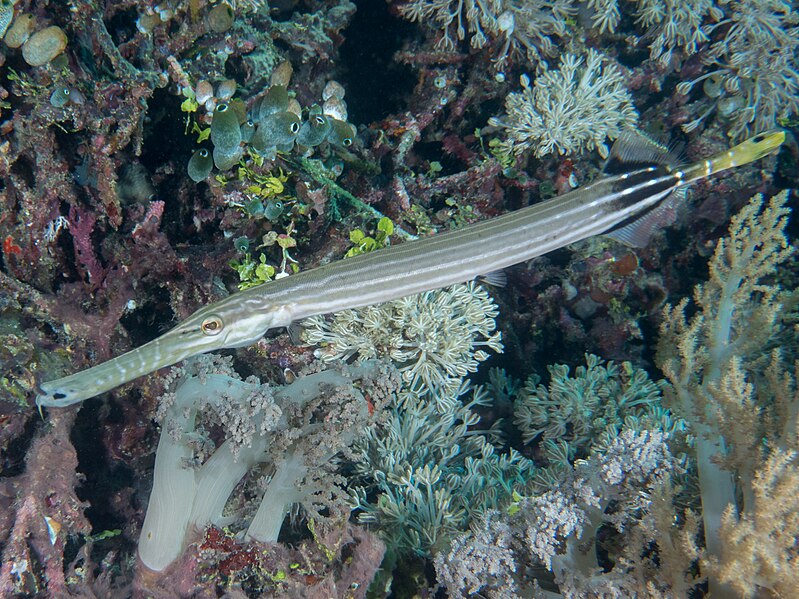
[575,416]
[560,529]
[525,25]
[194,480]
[731,385]
[753,78]
[578,429]
[715,361]
[434,477]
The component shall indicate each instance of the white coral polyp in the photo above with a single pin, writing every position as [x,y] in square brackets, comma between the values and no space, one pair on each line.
[567,110]
[435,338]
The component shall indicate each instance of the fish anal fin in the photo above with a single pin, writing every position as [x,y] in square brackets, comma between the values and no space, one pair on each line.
[295,333]
[639,232]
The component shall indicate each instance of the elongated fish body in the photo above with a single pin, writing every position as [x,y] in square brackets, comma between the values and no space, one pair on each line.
[621,204]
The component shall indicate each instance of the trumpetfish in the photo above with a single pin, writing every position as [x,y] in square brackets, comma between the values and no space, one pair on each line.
[627,204]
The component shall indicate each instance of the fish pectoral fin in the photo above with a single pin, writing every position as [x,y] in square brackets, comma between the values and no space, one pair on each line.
[496,278]
[295,332]
[639,232]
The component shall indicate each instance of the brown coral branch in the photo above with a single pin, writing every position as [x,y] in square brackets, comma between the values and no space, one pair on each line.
[47,512]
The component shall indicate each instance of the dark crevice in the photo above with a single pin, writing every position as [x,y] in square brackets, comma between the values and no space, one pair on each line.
[376,85]
[150,320]
[14,453]
[102,479]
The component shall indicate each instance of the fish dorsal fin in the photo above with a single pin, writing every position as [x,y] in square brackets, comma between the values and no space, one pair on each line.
[639,232]
[632,149]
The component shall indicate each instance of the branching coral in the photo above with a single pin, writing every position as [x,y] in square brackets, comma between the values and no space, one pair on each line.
[731,386]
[559,530]
[575,415]
[433,475]
[574,108]
[759,546]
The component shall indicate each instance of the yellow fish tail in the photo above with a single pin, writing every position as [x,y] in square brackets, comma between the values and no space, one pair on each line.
[745,152]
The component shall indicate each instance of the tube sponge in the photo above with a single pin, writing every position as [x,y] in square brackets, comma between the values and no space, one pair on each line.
[182,495]
[279,429]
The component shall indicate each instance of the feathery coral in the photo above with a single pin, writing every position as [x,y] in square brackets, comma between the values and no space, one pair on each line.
[434,338]
[679,25]
[579,408]
[433,472]
[576,107]
[754,79]
[522,24]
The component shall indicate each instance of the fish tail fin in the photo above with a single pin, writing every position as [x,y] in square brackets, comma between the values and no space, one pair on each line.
[745,152]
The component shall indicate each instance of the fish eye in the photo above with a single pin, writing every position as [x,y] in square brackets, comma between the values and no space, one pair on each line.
[346,142]
[203,152]
[278,205]
[320,120]
[211,326]
[295,127]
[221,108]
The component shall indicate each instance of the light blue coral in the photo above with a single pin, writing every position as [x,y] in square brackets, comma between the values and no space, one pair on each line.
[433,473]
[588,406]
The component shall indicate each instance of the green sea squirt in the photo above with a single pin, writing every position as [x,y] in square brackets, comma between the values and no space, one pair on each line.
[225,129]
[276,99]
[60,97]
[341,133]
[200,165]
[276,129]
[314,131]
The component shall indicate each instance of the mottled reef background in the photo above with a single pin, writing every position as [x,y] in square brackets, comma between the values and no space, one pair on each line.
[554,436]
